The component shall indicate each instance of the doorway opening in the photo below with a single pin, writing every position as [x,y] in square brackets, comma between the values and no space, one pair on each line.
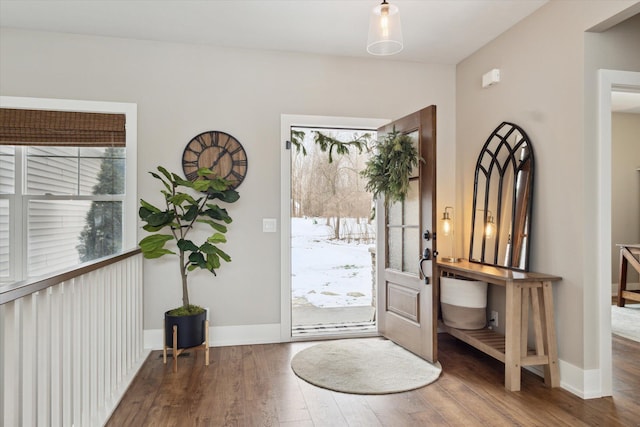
[608,82]
[332,232]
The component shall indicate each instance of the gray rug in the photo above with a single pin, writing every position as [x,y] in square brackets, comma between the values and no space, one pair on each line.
[363,366]
[625,321]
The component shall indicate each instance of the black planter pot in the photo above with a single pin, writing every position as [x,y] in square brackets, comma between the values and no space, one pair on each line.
[190,329]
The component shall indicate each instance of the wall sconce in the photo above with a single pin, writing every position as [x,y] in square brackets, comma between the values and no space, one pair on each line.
[447,229]
[490,227]
[385,33]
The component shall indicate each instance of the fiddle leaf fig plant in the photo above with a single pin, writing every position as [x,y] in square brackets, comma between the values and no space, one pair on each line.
[178,218]
[388,170]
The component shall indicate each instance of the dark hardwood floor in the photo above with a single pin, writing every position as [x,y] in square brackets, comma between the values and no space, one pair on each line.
[254,386]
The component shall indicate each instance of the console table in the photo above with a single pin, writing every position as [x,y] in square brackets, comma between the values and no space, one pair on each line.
[628,254]
[523,290]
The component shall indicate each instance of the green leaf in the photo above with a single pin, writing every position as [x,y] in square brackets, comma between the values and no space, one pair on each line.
[219,184]
[148,208]
[213,262]
[215,225]
[180,198]
[217,213]
[165,173]
[205,172]
[185,183]
[200,185]
[159,219]
[153,246]
[153,228]
[143,213]
[223,254]
[207,248]
[157,253]
[217,238]
[230,196]
[191,213]
[214,194]
[155,239]
[166,180]
[187,245]
[196,258]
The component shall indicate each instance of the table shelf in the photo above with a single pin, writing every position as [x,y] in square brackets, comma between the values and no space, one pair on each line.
[524,290]
[485,340]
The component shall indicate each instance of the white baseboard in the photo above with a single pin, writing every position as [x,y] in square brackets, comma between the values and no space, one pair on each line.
[112,403]
[220,336]
[583,383]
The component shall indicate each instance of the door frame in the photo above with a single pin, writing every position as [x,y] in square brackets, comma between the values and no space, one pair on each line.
[608,80]
[286,122]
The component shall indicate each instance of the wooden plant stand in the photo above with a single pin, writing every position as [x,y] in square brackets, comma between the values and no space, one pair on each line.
[176,352]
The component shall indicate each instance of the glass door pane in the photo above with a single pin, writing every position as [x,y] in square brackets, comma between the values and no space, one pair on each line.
[403,228]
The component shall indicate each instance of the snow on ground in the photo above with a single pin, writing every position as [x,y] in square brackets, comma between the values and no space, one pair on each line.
[325,272]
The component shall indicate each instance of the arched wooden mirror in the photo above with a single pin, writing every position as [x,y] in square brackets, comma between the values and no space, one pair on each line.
[502,199]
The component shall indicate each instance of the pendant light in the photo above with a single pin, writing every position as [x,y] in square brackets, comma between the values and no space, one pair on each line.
[385,33]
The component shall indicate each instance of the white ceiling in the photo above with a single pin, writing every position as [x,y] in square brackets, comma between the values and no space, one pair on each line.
[435,31]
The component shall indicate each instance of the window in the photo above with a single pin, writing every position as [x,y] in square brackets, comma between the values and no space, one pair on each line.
[68,196]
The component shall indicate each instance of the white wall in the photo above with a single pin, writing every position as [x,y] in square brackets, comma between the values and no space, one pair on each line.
[625,192]
[542,89]
[182,90]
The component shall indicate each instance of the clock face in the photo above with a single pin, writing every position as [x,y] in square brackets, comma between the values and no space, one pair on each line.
[218,151]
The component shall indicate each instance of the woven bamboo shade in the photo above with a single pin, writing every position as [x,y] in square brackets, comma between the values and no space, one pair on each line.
[61,128]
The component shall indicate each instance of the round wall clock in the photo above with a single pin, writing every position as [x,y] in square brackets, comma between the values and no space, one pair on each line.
[218,151]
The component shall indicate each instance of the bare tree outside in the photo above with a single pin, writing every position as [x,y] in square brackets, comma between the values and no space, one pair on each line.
[328,185]
[332,229]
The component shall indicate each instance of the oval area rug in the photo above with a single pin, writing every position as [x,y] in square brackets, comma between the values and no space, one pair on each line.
[363,366]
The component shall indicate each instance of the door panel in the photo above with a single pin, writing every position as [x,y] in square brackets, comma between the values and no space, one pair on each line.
[407,309]
[403,300]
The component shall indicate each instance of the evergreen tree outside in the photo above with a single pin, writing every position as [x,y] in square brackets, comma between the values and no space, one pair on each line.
[102,234]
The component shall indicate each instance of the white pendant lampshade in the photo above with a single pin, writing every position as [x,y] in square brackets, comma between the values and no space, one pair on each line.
[385,33]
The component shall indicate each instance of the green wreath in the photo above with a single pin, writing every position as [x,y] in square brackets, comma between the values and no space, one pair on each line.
[387,172]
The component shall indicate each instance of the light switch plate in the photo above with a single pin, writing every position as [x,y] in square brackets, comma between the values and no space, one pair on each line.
[269,225]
